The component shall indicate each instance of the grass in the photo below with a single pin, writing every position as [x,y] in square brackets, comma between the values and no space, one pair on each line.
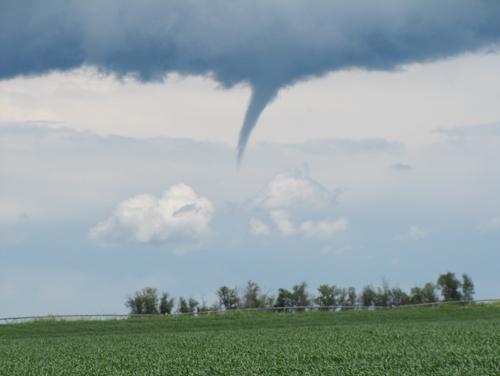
[452,340]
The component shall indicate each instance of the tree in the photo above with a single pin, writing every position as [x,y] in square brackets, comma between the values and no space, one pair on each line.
[416,295]
[183,306]
[144,301]
[189,305]
[252,298]
[228,298]
[368,296]
[351,297]
[429,293]
[205,308]
[284,298]
[341,296]
[426,294]
[150,300]
[251,295]
[383,296]
[266,300]
[467,288]
[449,285]
[166,304]
[135,304]
[329,296]
[399,297]
[300,296]
[326,296]
[193,305]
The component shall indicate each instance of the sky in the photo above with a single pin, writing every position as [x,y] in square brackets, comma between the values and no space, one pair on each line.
[187,146]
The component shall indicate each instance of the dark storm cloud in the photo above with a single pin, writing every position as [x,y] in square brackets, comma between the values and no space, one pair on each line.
[266,44]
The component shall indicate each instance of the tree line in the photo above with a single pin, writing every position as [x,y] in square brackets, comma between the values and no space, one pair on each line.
[149,301]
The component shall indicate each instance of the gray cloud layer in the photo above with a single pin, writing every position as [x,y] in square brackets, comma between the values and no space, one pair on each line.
[265,44]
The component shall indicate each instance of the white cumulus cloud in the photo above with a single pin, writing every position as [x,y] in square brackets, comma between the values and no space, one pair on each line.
[323,229]
[281,219]
[294,190]
[257,227]
[178,215]
[294,194]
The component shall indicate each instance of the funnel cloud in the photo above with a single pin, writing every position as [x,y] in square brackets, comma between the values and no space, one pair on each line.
[266,45]
[261,96]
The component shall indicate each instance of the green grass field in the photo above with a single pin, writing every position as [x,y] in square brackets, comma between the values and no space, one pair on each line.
[460,340]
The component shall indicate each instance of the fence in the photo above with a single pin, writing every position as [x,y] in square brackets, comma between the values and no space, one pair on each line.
[112,316]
